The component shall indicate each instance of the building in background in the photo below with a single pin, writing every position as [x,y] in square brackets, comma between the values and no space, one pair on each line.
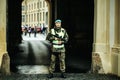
[34,13]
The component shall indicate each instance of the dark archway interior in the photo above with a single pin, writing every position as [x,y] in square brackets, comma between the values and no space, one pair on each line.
[77,17]
[13,27]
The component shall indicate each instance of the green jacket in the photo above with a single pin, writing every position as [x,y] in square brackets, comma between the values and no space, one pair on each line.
[56,34]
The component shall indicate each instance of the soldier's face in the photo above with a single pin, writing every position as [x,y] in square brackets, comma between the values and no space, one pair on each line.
[58,24]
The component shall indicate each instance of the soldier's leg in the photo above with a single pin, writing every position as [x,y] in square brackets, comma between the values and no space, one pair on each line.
[62,61]
[52,64]
[62,64]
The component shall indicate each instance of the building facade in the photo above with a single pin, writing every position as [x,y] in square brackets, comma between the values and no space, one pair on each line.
[34,13]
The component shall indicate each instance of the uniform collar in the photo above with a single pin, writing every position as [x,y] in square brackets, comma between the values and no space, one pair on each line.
[58,29]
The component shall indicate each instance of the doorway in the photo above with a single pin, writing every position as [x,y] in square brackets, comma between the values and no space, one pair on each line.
[77,18]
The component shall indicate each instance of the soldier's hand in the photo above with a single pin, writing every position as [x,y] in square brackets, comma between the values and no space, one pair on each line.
[59,42]
[56,38]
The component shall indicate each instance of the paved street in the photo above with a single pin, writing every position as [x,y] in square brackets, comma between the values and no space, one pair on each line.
[70,76]
[31,62]
[32,69]
[38,37]
[31,55]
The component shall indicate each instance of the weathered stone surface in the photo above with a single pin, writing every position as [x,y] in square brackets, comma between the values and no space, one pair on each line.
[97,63]
[70,76]
[116,50]
[2,28]
[5,66]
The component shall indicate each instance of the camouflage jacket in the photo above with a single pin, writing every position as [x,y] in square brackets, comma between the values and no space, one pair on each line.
[50,37]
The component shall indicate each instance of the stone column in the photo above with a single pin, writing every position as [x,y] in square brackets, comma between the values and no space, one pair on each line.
[4,57]
[115,58]
[2,28]
[101,56]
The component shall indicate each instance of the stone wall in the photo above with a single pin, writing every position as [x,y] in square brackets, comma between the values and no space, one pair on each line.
[2,29]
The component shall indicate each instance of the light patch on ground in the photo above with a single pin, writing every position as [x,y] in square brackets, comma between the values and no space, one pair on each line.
[38,37]
[32,69]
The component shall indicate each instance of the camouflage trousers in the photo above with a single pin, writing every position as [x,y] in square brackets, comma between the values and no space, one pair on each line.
[61,56]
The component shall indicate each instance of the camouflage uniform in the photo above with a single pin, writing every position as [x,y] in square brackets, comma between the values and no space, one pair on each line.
[57,51]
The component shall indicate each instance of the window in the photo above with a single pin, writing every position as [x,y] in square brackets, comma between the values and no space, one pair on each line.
[37,5]
[47,18]
[29,17]
[34,5]
[23,8]
[34,17]
[40,17]
[23,18]
[43,3]
[29,7]
[40,4]
[43,16]
[26,18]
[37,16]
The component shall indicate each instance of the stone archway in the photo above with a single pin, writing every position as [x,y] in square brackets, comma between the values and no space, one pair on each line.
[7,23]
[102,60]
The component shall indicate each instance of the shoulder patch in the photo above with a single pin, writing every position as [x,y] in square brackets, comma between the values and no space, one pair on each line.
[52,31]
[62,29]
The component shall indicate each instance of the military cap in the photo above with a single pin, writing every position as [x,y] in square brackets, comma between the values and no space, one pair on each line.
[58,20]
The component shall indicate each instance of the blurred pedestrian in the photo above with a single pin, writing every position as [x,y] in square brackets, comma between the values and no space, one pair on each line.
[29,31]
[35,31]
[25,30]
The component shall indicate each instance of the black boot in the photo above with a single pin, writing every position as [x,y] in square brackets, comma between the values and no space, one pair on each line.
[50,75]
[63,75]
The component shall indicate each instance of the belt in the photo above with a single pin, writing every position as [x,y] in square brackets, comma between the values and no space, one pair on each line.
[56,44]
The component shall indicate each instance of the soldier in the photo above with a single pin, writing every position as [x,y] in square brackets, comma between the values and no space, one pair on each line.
[58,37]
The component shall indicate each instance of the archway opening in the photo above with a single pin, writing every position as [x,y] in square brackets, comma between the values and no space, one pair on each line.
[77,18]
[26,50]
[34,19]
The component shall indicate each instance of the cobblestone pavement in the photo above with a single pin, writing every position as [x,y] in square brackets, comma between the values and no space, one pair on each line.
[70,76]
